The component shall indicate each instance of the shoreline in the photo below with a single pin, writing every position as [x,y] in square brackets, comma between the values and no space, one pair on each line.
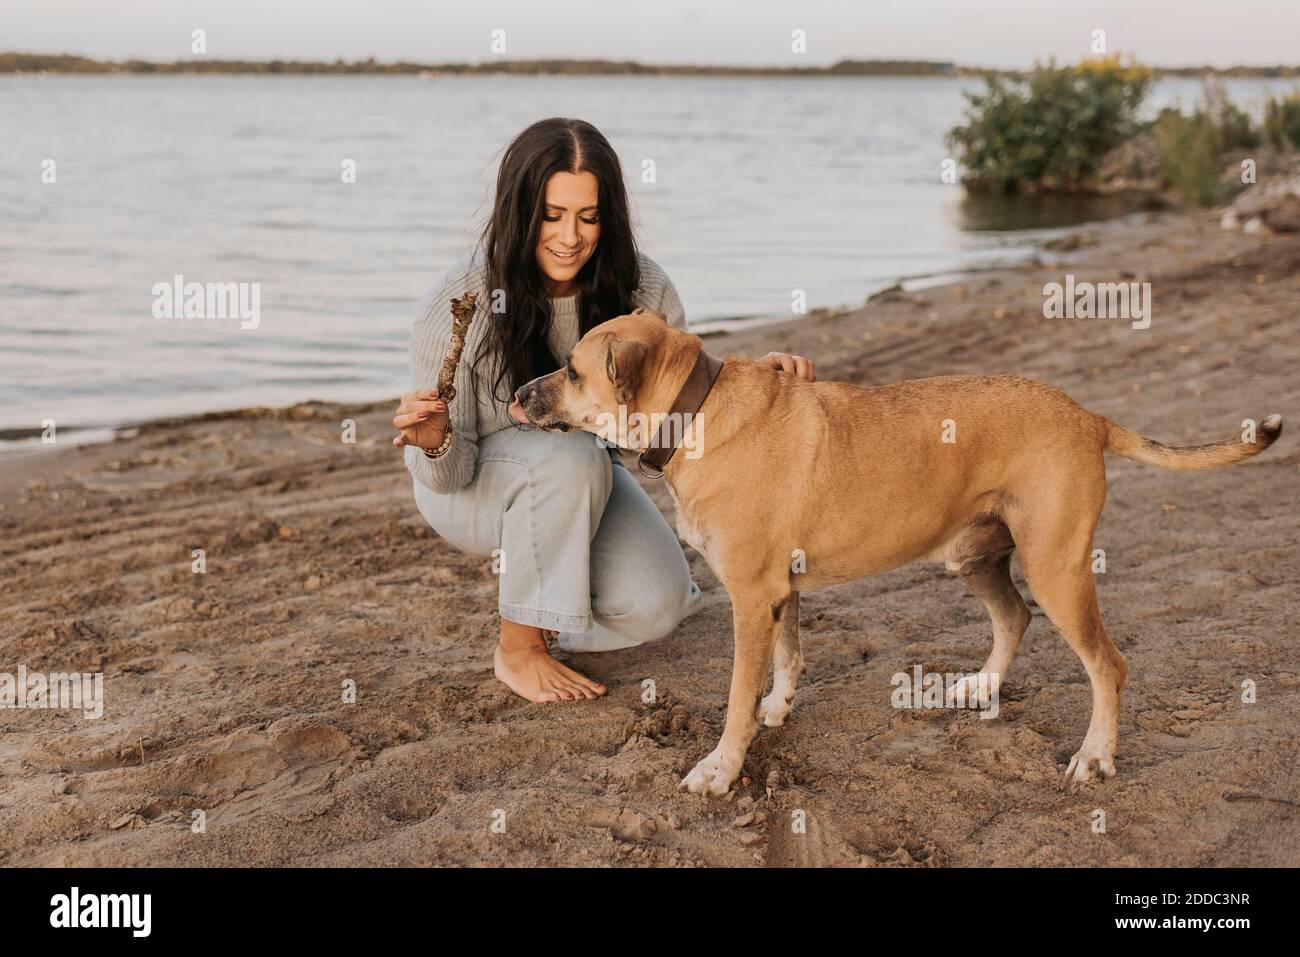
[222,688]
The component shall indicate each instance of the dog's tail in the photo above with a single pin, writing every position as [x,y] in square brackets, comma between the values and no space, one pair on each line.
[1212,456]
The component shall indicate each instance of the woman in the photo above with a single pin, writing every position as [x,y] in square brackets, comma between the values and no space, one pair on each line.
[582,551]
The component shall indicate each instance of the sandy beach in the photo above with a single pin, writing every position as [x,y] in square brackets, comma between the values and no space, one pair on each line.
[224,690]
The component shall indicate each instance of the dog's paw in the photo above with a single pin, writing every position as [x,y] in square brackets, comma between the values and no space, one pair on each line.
[973,691]
[714,775]
[1085,767]
[773,710]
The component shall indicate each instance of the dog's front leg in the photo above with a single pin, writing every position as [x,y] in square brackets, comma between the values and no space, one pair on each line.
[757,622]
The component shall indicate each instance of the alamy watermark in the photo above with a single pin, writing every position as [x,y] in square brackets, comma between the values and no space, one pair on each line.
[932,689]
[58,690]
[130,911]
[639,430]
[1098,300]
[179,299]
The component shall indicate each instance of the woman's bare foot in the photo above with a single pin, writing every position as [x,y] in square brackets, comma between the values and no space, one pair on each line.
[525,667]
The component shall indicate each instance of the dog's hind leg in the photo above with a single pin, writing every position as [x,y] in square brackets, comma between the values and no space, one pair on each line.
[1071,602]
[989,579]
[787,663]
[1055,546]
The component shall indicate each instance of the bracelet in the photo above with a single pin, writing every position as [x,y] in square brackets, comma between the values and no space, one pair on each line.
[441,450]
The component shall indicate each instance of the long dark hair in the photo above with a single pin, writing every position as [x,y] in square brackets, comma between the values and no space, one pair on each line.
[517,341]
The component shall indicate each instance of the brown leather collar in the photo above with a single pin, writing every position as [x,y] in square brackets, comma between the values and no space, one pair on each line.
[690,397]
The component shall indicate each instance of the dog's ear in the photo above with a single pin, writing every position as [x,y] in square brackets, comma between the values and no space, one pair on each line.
[623,360]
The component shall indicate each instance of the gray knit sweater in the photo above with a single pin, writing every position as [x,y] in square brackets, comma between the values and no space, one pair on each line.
[475,412]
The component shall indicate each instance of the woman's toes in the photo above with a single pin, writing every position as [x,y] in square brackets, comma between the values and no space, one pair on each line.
[575,677]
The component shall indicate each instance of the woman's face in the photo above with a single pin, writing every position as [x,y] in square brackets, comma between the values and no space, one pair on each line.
[570,228]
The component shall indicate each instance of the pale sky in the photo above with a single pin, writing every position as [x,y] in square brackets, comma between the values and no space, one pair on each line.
[996,33]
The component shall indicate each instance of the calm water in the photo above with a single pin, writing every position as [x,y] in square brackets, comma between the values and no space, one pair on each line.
[763,186]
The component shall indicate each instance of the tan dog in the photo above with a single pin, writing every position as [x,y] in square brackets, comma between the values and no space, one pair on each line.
[958,469]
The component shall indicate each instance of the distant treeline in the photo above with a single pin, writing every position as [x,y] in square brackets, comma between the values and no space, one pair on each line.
[67,63]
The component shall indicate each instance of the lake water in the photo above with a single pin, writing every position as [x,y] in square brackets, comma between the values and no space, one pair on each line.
[762,186]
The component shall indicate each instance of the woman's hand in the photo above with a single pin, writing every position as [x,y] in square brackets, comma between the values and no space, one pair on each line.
[422,419]
[799,365]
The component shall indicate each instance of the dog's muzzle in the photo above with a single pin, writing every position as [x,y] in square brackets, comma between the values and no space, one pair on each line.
[526,392]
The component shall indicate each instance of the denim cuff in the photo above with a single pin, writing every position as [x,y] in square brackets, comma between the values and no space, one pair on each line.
[549,620]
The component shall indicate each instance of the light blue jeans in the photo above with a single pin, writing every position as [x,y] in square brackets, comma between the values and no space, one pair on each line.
[580,548]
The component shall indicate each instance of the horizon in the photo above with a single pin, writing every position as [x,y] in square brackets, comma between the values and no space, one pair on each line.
[650,64]
[1001,35]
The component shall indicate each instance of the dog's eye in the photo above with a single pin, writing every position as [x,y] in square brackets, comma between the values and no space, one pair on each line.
[573,374]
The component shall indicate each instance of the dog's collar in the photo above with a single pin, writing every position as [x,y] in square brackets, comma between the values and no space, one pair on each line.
[690,397]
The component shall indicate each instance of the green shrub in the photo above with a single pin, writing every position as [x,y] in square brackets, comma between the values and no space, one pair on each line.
[1231,124]
[1282,120]
[1191,155]
[1193,149]
[1052,130]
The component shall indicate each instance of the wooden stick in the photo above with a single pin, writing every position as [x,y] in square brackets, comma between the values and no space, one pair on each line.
[462,313]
